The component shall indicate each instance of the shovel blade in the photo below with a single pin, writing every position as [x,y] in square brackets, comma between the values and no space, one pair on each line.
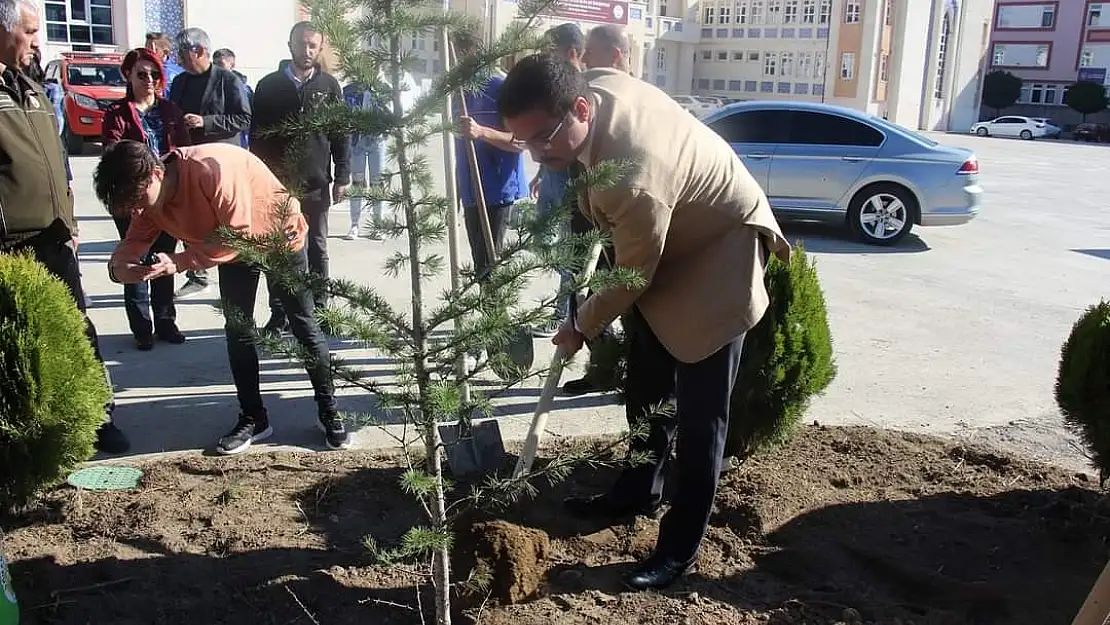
[516,358]
[480,450]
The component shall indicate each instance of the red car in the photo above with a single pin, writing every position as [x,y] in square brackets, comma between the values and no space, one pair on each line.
[89,83]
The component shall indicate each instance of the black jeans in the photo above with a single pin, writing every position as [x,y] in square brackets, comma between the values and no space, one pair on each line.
[701,392]
[54,250]
[315,205]
[238,288]
[139,299]
[498,224]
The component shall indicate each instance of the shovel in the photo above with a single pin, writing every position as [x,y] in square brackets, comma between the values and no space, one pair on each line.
[519,348]
[551,384]
[474,447]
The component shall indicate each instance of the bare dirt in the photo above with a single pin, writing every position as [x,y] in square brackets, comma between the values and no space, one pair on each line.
[843,526]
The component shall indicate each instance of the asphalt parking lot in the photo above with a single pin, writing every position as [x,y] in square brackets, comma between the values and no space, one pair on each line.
[955,330]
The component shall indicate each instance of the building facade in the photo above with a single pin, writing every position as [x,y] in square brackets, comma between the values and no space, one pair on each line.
[1050,45]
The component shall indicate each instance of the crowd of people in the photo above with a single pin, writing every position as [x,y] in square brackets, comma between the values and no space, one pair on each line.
[689,219]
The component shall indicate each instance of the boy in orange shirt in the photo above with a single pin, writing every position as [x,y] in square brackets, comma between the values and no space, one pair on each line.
[189,194]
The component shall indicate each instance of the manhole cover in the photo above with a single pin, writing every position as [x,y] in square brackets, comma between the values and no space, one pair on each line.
[106,478]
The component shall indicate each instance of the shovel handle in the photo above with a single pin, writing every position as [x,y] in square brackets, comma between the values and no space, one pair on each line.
[1096,609]
[476,177]
[547,396]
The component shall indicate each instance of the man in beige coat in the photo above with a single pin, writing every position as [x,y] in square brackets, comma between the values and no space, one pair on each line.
[695,225]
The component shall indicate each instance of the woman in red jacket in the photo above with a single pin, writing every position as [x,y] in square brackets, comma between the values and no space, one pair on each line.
[145,116]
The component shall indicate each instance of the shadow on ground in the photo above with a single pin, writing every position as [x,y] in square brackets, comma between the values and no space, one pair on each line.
[823,238]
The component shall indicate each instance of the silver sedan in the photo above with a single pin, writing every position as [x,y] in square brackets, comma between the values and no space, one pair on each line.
[833,164]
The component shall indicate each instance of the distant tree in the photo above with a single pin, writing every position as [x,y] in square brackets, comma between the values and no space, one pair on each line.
[1001,90]
[1086,98]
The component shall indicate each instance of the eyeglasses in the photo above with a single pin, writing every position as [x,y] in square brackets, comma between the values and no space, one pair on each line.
[544,144]
[151,76]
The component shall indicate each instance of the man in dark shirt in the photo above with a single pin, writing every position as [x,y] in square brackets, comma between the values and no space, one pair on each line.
[215,106]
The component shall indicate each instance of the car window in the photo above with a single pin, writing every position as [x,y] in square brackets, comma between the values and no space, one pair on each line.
[52,70]
[767,126]
[812,128]
[94,76]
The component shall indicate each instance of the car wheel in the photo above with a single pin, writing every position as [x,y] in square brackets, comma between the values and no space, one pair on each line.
[982,132]
[75,144]
[882,214]
[1027,135]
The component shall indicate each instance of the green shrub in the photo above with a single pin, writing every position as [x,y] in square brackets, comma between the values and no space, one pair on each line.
[52,389]
[1083,383]
[787,359]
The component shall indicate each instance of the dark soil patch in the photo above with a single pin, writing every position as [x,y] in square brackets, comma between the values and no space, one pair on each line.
[844,526]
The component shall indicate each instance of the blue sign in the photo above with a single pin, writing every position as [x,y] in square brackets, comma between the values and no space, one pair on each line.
[1096,75]
[635,13]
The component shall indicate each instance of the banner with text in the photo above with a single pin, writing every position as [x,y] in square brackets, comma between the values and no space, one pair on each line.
[600,11]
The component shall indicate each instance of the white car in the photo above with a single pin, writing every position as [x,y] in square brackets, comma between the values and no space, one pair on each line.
[1051,130]
[1014,126]
[695,105]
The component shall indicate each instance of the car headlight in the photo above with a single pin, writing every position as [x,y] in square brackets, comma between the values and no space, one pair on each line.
[85,101]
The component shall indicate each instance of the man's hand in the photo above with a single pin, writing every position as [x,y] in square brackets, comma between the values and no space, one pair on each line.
[164,267]
[534,187]
[471,129]
[569,338]
[131,273]
[192,120]
[339,191]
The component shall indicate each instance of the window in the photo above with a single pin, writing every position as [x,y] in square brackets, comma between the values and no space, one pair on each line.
[80,23]
[942,56]
[709,16]
[737,55]
[805,65]
[1026,16]
[753,55]
[662,9]
[786,64]
[1021,54]
[812,128]
[722,55]
[774,11]
[1087,57]
[790,12]
[884,67]
[770,63]
[742,11]
[757,11]
[753,126]
[707,55]
[809,11]
[819,65]
[661,59]
[848,66]
[888,13]
[1094,15]
[724,15]
[825,13]
[1040,94]
[851,12]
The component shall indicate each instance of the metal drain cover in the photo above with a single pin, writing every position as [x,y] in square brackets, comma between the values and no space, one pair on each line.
[106,478]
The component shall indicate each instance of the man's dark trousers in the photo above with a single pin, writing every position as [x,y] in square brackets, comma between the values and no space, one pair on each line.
[701,393]
[315,206]
[475,235]
[54,250]
[156,296]
[238,287]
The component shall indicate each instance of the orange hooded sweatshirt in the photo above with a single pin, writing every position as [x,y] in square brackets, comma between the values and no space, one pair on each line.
[218,184]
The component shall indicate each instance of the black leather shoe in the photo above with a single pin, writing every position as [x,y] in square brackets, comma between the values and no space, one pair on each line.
[606,506]
[657,572]
[144,343]
[171,335]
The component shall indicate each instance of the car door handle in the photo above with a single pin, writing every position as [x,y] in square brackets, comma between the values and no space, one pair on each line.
[758,157]
[851,159]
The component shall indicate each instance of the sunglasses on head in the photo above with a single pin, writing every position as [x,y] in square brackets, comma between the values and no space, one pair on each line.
[153,75]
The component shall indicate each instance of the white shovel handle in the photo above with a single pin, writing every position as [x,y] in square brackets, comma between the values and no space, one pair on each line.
[554,374]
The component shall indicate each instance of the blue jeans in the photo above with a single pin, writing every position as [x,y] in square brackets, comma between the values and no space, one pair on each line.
[143,298]
[366,154]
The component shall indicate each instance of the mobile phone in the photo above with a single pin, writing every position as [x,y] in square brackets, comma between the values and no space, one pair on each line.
[149,260]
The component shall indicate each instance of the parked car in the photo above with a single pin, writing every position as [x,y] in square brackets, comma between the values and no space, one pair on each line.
[1090,131]
[89,83]
[695,105]
[1013,126]
[833,164]
[1052,131]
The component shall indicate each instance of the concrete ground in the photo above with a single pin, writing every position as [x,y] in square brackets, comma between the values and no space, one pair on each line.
[955,331]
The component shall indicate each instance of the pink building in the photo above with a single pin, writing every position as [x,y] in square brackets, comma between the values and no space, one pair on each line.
[1050,45]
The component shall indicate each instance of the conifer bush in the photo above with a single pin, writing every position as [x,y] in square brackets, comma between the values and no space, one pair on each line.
[1083,384]
[52,388]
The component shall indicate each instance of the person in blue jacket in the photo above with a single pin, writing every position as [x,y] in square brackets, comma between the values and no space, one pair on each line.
[225,58]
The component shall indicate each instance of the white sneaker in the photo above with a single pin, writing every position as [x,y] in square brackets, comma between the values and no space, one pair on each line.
[352,234]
